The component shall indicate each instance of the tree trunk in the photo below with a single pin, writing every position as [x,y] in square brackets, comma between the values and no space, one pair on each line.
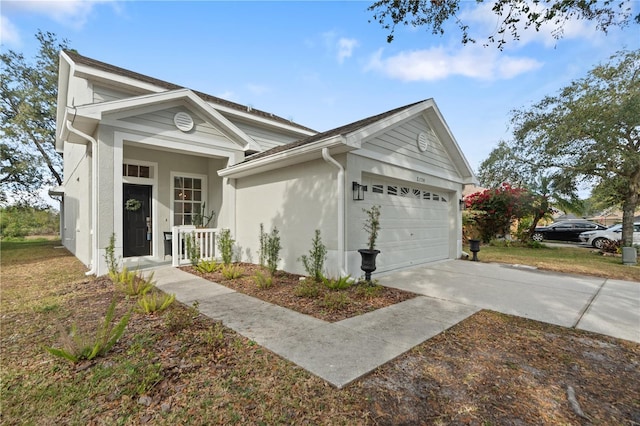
[628,210]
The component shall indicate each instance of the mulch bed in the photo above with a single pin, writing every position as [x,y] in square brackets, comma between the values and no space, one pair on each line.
[325,305]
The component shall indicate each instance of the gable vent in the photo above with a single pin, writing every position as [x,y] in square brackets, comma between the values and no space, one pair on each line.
[183,121]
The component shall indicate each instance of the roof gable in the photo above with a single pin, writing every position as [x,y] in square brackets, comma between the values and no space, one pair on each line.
[87,117]
[354,135]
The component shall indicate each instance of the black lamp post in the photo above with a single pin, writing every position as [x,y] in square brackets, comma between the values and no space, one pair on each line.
[474,246]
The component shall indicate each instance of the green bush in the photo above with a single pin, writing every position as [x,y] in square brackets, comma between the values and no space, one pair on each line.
[340,283]
[155,301]
[19,221]
[314,263]
[208,266]
[273,250]
[307,288]
[263,246]
[367,291]
[192,248]
[263,281]
[335,301]
[110,256]
[231,272]
[132,283]
[225,245]
[76,347]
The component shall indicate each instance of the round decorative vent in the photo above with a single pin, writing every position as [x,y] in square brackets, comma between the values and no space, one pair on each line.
[183,121]
[423,142]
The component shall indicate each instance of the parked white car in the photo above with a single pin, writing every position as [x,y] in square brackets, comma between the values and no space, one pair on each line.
[613,233]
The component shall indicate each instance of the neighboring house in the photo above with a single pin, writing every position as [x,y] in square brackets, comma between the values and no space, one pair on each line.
[142,155]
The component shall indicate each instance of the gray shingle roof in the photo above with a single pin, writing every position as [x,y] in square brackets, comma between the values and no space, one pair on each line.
[79,59]
[342,130]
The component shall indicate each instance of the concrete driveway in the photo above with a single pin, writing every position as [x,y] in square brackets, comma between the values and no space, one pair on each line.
[602,305]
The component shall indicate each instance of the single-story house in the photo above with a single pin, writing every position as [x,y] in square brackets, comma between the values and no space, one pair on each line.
[142,156]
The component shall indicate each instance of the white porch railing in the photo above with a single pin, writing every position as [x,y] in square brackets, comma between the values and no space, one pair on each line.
[201,239]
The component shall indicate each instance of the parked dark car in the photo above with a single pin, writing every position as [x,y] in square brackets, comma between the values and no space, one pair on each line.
[568,230]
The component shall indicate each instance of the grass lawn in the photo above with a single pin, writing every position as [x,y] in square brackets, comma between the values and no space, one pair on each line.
[574,260]
[180,367]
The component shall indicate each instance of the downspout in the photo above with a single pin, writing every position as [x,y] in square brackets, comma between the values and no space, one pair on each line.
[94,195]
[341,210]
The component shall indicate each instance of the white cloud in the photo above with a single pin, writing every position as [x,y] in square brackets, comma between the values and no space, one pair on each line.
[341,47]
[439,63]
[484,22]
[71,13]
[345,48]
[9,34]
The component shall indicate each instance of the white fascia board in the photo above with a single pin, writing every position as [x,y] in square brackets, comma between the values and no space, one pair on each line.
[262,120]
[284,158]
[88,72]
[64,74]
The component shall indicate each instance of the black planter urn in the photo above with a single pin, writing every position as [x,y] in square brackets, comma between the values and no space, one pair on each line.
[368,262]
[474,246]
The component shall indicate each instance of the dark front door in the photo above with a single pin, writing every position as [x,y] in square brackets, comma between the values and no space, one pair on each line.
[137,220]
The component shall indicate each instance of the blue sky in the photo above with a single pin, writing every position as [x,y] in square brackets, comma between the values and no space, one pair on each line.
[323,64]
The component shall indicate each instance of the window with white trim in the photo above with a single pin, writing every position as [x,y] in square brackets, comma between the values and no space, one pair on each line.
[188,197]
[137,170]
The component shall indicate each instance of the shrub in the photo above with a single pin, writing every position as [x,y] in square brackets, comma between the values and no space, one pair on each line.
[76,347]
[524,226]
[340,283]
[262,281]
[372,225]
[208,266]
[335,301]
[192,248]
[110,256]
[225,245]
[273,250]
[214,336]
[367,291]
[535,244]
[307,288]
[133,283]
[314,263]
[155,301]
[263,246]
[21,220]
[231,272]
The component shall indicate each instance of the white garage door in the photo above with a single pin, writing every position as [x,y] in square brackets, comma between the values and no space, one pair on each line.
[414,223]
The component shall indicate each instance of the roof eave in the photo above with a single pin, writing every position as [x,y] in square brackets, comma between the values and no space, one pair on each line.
[281,159]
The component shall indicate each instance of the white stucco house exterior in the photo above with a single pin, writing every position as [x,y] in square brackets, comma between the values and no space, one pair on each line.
[129,138]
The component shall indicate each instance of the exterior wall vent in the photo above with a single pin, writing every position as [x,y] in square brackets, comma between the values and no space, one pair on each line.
[423,142]
[183,121]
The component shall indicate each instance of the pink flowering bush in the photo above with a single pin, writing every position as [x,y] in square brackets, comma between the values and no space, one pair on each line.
[493,210]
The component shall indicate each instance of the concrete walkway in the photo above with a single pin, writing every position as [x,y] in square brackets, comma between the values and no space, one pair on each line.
[450,291]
